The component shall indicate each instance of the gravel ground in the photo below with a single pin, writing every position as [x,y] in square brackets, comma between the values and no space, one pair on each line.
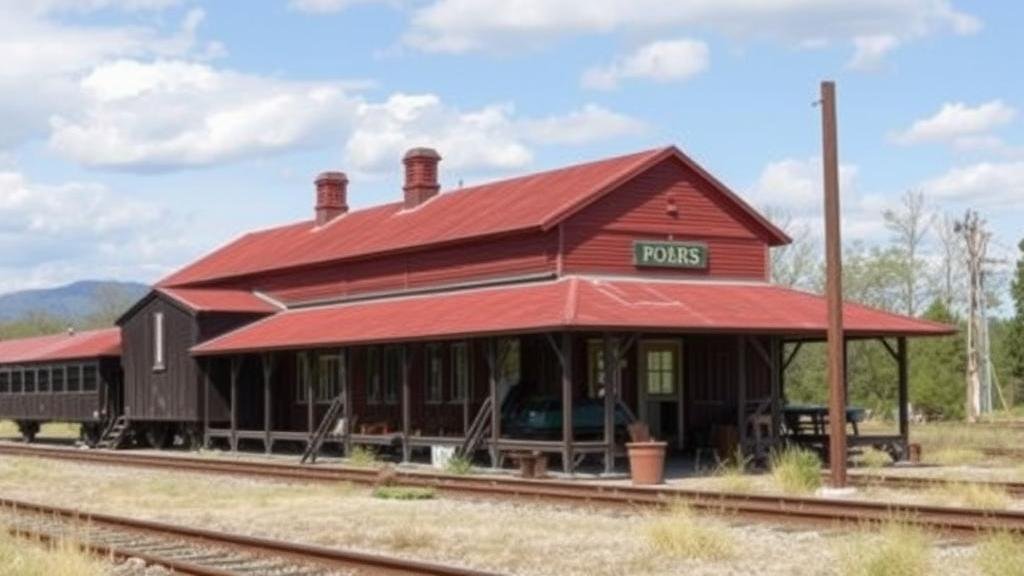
[509,538]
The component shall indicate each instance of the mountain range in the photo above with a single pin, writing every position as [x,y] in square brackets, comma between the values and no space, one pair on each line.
[73,301]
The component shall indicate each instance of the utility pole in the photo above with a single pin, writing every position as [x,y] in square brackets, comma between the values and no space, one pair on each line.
[979,372]
[834,289]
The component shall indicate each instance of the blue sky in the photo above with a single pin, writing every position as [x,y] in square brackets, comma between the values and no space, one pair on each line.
[138,134]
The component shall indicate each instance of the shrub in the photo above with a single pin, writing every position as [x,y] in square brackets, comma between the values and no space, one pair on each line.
[403,493]
[895,550]
[733,473]
[682,533]
[459,465]
[973,495]
[874,459]
[796,471]
[363,457]
[61,558]
[1001,554]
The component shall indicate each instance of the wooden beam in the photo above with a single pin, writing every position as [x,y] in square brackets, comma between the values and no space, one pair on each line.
[792,355]
[611,371]
[492,374]
[268,406]
[567,428]
[776,388]
[349,407]
[204,365]
[741,390]
[468,392]
[310,360]
[904,393]
[892,352]
[761,352]
[236,365]
[556,347]
[406,408]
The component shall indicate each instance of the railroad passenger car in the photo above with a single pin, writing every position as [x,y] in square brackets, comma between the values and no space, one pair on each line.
[69,377]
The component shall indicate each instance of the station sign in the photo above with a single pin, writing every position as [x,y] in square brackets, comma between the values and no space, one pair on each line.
[670,254]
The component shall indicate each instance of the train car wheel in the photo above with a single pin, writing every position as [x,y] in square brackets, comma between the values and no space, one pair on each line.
[92,434]
[28,430]
[159,436]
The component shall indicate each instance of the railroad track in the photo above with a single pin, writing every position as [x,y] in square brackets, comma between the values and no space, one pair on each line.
[761,507]
[1014,489]
[201,552]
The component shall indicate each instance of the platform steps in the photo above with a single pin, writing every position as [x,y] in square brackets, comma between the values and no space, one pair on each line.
[325,427]
[115,434]
[478,430]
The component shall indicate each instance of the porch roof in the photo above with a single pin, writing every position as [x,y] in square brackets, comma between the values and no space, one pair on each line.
[573,302]
[60,347]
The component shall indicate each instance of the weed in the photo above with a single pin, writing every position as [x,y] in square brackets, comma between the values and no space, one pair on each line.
[894,550]
[459,465]
[363,457]
[954,457]
[403,493]
[874,459]
[796,471]
[683,534]
[733,473]
[972,495]
[408,537]
[60,558]
[1000,554]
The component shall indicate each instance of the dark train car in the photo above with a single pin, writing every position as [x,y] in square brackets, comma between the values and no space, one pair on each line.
[163,390]
[69,377]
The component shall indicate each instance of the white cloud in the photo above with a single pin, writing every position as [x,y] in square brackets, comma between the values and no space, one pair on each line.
[468,25]
[661,61]
[170,113]
[330,6]
[55,233]
[870,51]
[985,183]
[959,124]
[591,123]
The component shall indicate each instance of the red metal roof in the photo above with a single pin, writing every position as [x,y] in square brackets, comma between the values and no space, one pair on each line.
[569,303]
[220,300]
[536,201]
[63,346]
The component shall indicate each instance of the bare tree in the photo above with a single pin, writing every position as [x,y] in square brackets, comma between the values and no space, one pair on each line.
[909,224]
[798,263]
[952,274]
[111,300]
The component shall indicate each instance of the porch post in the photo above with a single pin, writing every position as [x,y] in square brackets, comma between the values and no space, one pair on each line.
[611,360]
[567,431]
[268,367]
[236,364]
[309,360]
[348,408]
[406,397]
[741,390]
[492,368]
[205,367]
[468,392]
[901,354]
[846,372]
[775,352]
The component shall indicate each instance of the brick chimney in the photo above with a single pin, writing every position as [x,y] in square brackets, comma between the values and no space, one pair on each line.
[420,176]
[331,196]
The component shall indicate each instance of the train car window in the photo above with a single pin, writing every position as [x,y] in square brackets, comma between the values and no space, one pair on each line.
[5,382]
[57,379]
[43,380]
[29,381]
[16,381]
[74,378]
[90,378]
[158,341]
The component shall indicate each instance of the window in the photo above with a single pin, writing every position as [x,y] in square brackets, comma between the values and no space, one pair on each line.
[328,378]
[74,378]
[435,374]
[57,379]
[30,381]
[302,377]
[661,372]
[5,382]
[90,378]
[158,341]
[373,376]
[460,372]
[509,352]
[16,381]
[43,380]
[595,367]
[392,373]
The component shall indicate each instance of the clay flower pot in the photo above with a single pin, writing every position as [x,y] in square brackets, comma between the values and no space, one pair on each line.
[647,462]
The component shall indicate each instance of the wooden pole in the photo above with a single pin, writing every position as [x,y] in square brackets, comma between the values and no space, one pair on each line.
[309,360]
[268,406]
[611,361]
[205,367]
[349,408]
[834,289]
[904,399]
[741,391]
[567,432]
[406,409]
[235,366]
[775,353]
[492,370]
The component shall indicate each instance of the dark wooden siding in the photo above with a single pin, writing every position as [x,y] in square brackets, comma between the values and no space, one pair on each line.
[66,406]
[711,371]
[600,238]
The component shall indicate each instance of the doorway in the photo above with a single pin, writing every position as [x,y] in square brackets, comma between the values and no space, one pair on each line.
[660,390]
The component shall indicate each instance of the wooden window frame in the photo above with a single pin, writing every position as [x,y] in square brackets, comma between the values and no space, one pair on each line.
[75,369]
[374,376]
[25,379]
[62,370]
[506,368]
[17,375]
[5,381]
[96,378]
[392,366]
[40,380]
[460,394]
[433,383]
[318,390]
[159,342]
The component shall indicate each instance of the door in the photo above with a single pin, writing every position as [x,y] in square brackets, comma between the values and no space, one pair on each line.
[660,389]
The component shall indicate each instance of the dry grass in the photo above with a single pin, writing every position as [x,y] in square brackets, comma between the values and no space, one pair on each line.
[796,471]
[363,457]
[893,550]
[21,558]
[733,473]
[935,437]
[971,495]
[64,430]
[874,459]
[403,493]
[1000,554]
[681,533]
[954,457]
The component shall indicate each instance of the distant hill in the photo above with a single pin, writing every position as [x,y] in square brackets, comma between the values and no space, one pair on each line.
[75,301]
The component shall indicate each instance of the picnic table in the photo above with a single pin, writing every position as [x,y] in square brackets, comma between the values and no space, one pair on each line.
[811,420]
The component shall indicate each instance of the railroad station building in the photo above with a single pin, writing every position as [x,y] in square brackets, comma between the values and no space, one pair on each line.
[542,312]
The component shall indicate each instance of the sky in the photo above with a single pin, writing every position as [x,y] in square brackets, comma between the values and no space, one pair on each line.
[136,135]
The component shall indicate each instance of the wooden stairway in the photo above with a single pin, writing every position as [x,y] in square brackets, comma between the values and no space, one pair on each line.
[115,433]
[479,429]
[325,427]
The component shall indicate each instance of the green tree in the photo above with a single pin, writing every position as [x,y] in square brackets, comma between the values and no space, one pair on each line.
[937,368]
[1014,343]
